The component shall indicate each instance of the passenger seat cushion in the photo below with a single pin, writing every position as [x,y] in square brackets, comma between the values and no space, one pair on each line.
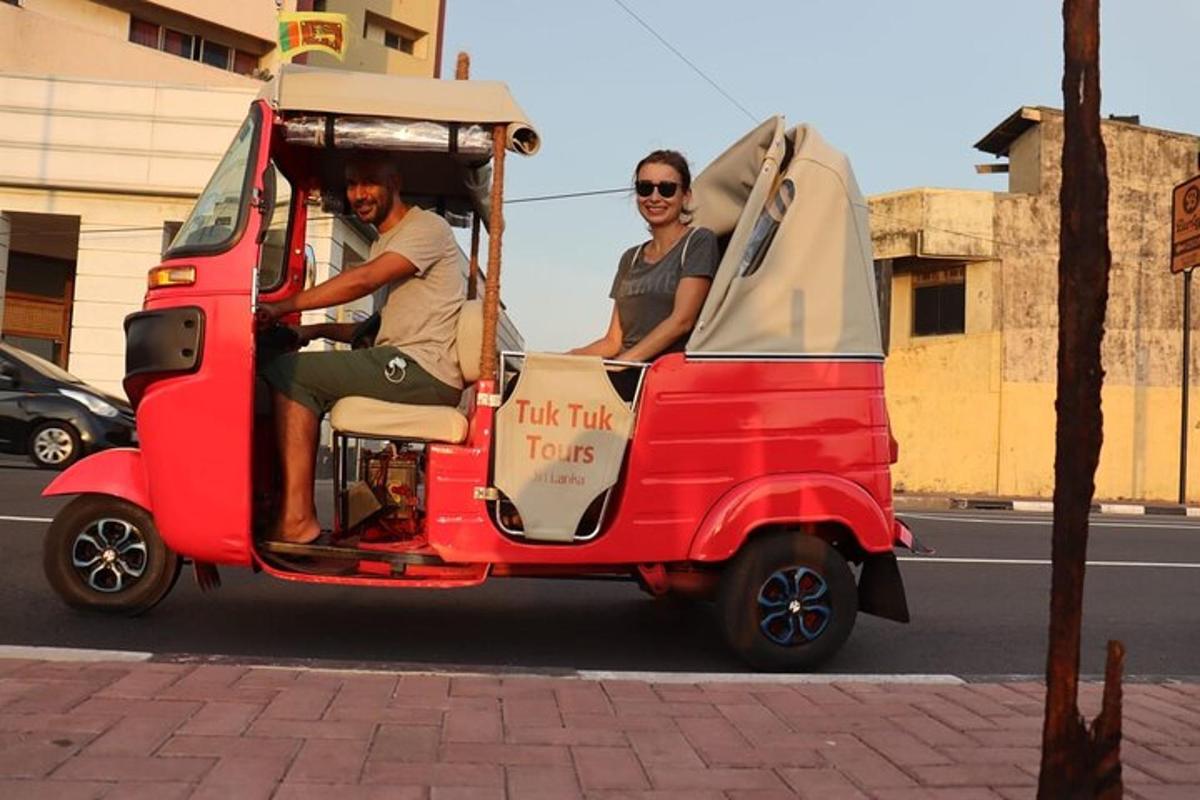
[366,417]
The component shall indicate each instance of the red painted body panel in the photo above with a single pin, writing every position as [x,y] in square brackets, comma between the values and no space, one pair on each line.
[704,427]
[194,430]
[800,497]
[117,472]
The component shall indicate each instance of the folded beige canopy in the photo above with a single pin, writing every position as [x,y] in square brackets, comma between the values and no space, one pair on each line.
[797,277]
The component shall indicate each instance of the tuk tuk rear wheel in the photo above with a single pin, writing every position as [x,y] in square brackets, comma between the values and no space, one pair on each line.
[104,554]
[787,602]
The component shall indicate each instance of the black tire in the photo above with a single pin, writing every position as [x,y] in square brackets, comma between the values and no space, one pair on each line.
[756,602]
[54,445]
[102,553]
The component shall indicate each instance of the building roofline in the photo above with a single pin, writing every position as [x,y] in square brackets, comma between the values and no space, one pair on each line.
[928,190]
[999,139]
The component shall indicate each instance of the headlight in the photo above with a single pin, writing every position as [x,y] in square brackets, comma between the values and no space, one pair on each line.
[93,403]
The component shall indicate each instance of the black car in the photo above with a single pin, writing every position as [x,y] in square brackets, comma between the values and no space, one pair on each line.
[55,418]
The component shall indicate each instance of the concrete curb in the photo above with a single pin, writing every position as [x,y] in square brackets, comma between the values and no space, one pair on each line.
[939,503]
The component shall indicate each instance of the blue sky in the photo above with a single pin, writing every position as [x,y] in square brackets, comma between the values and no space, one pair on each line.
[904,88]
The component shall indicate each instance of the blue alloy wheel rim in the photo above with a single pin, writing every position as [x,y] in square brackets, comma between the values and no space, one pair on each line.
[794,606]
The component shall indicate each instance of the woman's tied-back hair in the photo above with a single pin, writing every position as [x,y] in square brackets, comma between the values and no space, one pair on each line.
[677,161]
[673,159]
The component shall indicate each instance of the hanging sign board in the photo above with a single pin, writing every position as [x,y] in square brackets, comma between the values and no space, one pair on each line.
[1185,226]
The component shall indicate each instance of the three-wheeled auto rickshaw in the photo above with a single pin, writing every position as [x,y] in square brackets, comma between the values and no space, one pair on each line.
[751,470]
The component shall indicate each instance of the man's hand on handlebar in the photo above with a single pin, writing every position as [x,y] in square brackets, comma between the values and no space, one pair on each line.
[269,313]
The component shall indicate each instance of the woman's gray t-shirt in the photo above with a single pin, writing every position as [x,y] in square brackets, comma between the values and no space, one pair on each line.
[645,293]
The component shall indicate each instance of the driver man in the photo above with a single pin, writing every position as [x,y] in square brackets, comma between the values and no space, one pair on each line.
[413,361]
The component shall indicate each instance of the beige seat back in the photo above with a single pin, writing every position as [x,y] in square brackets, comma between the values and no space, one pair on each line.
[470,339]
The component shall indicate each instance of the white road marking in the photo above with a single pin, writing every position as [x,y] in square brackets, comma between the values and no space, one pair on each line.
[25,519]
[70,654]
[1153,522]
[1045,562]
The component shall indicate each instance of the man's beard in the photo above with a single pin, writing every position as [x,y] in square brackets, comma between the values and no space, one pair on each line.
[383,207]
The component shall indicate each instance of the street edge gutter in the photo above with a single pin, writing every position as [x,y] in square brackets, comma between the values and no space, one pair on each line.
[34,653]
[926,503]
[71,654]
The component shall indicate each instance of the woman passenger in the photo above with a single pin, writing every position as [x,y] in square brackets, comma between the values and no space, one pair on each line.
[661,283]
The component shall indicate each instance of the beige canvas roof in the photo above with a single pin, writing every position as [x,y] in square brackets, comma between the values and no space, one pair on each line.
[330,91]
[797,277]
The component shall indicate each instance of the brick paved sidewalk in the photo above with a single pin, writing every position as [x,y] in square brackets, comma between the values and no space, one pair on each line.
[166,730]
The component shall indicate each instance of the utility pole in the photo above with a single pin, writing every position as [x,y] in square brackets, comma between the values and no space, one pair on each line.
[1078,762]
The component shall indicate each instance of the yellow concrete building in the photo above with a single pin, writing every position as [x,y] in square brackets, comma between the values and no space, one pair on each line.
[112,115]
[973,334]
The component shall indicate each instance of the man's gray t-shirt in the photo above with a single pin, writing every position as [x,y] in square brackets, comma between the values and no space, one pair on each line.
[420,315]
[645,293]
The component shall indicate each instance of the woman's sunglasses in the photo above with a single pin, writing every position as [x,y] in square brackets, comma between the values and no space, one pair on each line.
[666,189]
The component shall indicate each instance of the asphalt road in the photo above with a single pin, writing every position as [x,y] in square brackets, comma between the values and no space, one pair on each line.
[979,608]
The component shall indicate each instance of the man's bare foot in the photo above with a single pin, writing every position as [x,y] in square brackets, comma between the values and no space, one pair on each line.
[303,531]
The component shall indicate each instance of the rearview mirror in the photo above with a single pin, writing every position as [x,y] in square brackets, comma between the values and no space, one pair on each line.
[9,377]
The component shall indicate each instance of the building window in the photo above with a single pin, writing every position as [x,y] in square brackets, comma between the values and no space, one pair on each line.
[178,43]
[191,47]
[939,302]
[215,55]
[392,34]
[143,33]
[244,63]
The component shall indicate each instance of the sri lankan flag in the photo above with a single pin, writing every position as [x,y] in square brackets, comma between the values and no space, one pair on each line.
[305,31]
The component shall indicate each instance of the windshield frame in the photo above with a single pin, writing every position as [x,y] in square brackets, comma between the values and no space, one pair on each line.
[255,117]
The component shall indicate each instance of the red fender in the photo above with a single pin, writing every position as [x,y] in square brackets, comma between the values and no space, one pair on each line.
[790,499]
[116,472]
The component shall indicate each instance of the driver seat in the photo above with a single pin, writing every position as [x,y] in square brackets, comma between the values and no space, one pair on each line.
[367,418]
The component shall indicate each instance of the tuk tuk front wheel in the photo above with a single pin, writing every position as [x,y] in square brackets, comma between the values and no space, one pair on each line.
[102,553]
[787,602]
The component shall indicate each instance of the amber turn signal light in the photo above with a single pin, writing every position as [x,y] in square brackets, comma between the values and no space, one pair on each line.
[171,276]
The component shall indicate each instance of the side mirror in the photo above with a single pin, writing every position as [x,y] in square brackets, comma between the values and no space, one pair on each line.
[9,377]
[265,201]
[310,266]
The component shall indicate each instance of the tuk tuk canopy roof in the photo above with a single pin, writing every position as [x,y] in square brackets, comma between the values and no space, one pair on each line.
[299,88]
[797,277]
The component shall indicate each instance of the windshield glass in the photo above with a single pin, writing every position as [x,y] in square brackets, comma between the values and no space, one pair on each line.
[216,218]
[39,364]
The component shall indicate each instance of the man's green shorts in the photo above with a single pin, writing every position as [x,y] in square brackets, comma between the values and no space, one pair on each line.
[318,380]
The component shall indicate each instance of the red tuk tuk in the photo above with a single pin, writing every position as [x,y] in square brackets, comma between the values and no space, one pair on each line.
[752,470]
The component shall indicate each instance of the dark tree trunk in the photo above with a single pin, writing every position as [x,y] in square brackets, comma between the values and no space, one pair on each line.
[1076,764]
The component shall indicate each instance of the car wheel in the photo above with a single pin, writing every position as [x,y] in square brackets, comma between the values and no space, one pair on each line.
[787,602]
[54,445]
[104,554]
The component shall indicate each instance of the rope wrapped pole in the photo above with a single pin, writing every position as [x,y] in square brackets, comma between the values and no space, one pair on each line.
[491,289]
[462,68]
